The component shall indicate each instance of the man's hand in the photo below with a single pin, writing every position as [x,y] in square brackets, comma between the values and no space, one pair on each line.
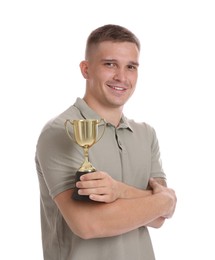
[99,186]
[170,203]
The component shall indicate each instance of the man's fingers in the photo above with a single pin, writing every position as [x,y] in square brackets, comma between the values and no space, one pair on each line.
[99,198]
[153,183]
[89,184]
[99,191]
[92,176]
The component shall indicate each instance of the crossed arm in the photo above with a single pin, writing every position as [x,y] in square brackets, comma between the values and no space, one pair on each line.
[123,208]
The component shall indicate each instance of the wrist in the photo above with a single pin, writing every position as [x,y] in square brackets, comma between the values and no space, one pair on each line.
[130,192]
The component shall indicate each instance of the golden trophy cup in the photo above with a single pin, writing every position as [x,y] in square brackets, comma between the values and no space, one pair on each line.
[85,133]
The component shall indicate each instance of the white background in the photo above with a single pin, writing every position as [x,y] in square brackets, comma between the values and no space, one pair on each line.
[41,45]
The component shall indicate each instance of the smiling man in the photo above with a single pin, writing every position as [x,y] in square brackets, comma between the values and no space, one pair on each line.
[111,70]
[128,192]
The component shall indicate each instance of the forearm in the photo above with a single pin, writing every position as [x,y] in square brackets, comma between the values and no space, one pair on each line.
[130,192]
[101,187]
[93,220]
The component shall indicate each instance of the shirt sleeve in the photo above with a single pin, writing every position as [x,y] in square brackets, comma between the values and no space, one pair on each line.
[156,163]
[57,159]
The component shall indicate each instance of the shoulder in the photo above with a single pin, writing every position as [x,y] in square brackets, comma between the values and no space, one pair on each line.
[143,131]
[53,132]
[142,127]
[57,123]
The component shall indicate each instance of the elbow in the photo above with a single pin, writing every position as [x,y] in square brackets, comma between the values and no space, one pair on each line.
[157,223]
[87,231]
[84,234]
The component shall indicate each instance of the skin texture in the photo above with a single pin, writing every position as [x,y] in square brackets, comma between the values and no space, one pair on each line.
[111,72]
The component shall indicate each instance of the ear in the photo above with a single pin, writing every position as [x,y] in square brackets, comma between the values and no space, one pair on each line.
[84,68]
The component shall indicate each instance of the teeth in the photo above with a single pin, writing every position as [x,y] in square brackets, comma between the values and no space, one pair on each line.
[118,88]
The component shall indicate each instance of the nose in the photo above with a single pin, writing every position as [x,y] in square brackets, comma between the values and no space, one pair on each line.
[120,74]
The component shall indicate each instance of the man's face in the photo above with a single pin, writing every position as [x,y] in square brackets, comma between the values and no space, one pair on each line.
[112,71]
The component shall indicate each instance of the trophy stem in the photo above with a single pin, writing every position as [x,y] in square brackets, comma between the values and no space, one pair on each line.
[86,166]
[86,154]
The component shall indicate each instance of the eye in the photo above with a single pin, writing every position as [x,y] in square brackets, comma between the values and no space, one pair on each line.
[132,67]
[110,64]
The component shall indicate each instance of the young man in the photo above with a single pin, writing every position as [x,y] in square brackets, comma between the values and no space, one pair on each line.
[128,191]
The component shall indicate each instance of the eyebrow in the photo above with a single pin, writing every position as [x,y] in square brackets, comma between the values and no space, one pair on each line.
[114,60]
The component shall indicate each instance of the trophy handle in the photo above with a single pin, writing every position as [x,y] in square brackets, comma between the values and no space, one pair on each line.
[103,129]
[67,128]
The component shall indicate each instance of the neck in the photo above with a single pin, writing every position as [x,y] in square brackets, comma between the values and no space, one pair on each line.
[111,115]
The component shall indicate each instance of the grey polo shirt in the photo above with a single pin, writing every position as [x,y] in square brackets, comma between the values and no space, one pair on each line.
[129,153]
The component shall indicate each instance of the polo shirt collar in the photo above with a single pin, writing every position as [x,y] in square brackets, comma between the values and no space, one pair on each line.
[124,123]
[85,110]
[89,113]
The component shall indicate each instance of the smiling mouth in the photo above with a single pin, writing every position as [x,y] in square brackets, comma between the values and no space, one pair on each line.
[117,88]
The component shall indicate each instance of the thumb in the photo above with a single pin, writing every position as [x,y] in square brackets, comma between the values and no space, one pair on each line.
[153,183]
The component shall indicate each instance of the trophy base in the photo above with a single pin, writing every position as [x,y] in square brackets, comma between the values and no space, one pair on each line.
[75,194]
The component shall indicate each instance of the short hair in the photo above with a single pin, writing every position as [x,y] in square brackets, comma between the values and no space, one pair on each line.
[113,33]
